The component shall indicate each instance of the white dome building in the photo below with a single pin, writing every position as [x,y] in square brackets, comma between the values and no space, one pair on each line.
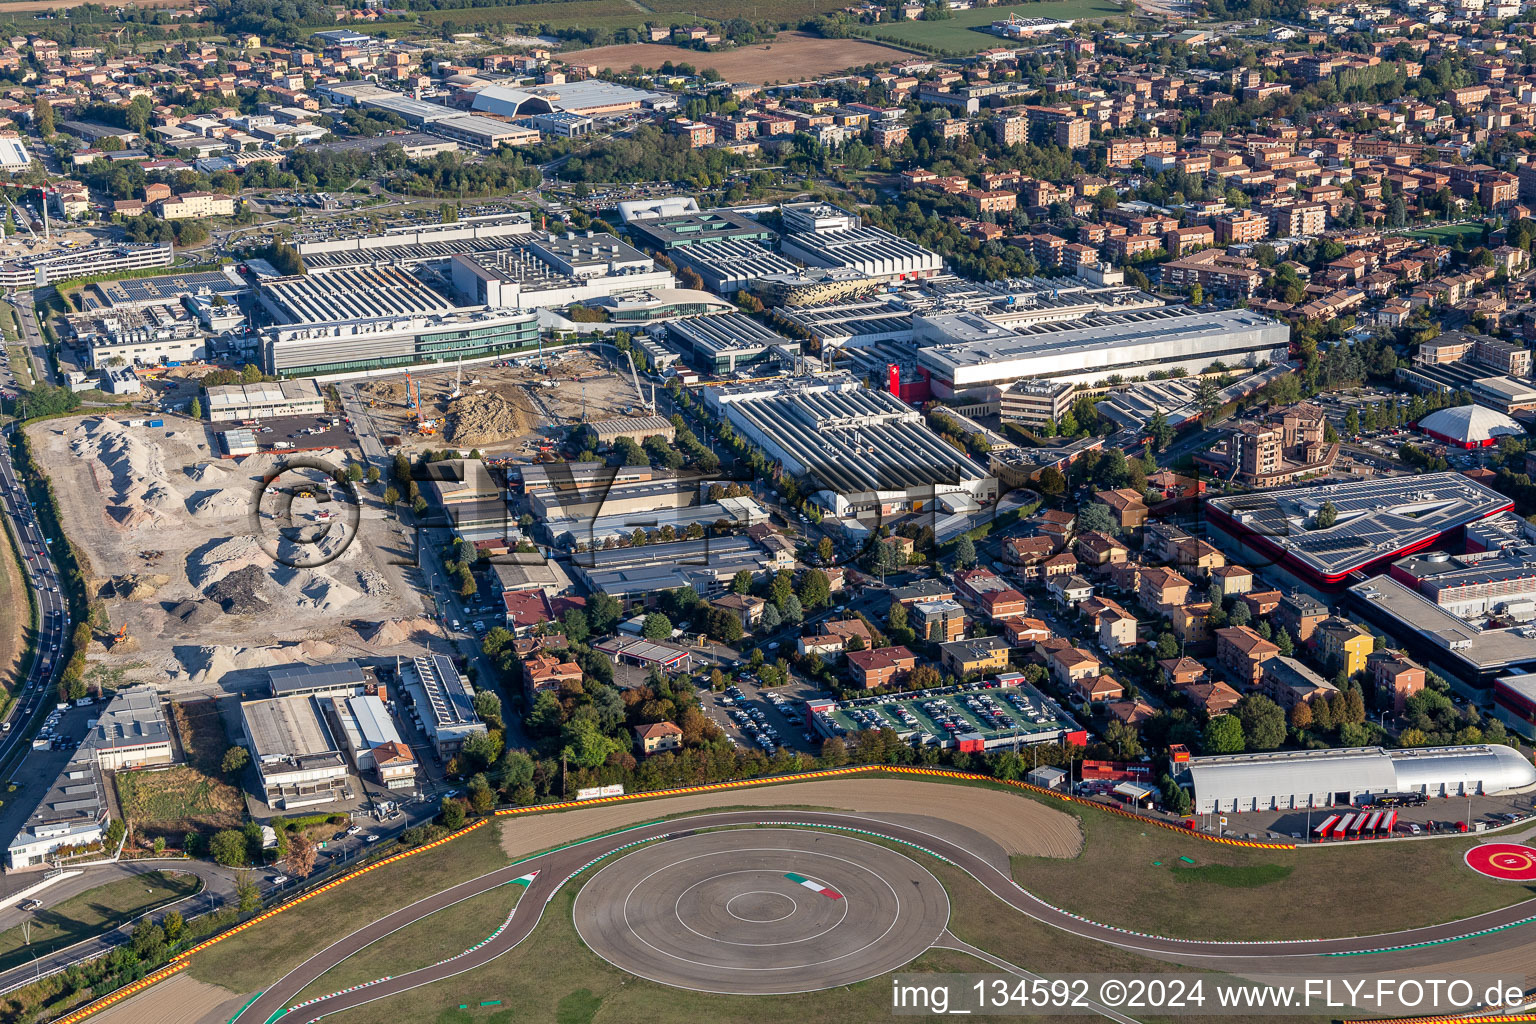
[1469,426]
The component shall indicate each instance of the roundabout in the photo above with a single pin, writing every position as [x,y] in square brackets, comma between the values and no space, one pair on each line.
[762,913]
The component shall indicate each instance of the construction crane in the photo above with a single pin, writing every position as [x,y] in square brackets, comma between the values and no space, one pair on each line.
[412,395]
[640,392]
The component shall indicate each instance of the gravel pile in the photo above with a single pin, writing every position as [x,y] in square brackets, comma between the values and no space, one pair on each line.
[240,592]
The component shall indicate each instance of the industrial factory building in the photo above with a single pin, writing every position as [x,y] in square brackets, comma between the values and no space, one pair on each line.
[1377,522]
[860,450]
[1292,779]
[967,355]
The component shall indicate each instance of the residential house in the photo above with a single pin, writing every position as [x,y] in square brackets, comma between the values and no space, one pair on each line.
[1242,652]
[1099,688]
[657,737]
[1234,580]
[974,657]
[887,666]
[1117,630]
[1181,671]
[1129,509]
[1070,664]
[1212,698]
[1343,645]
[1099,549]
[1300,614]
[1398,674]
[1162,589]
[1288,682]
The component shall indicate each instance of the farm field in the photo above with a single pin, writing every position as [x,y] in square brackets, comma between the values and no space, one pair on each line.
[960,33]
[92,912]
[187,797]
[794,55]
[576,13]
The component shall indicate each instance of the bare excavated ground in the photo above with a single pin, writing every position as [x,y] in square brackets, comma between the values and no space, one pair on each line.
[177,1000]
[179,557]
[501,407]
[1022,827]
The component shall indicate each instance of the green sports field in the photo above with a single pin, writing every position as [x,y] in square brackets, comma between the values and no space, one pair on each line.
[965,32]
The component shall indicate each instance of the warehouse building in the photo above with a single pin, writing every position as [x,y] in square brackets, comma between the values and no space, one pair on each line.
[555,270]
[965,354]
[342,679]
[1439,640]
[234,402]
[130,732]
[417,245]
[860,451]
[375,344]
[872,252]
[636,428]
[1377,522]
[444,701]
[682,231]
[727,267]
[356,293]
[471,129]
[591,97]
[373,741]
[1298,779]
[298,758]
[709,565]
[728,342]
[35,271]
[857,323]
[612,498]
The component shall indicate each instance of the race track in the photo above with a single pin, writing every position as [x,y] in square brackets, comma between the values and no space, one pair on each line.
[622,937]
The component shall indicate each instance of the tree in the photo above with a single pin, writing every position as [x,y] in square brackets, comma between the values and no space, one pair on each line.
[1162,433]
[42,117]
[1240,616]
[1263,722]
[1196,294]
[228,847]
[301,856]
[824,549]
[1284,642]
[1207,397]
[603,611]
[657,627]
[1096,516]
[1167,646]
[235,760]
[815,590]
[481,750]
[247,893]
[965,552]
[1051,481]
[1301,716]
[354,471]
[1224,735]
[793,611]
[1123,738]
[1327,515]
[195,408]
[575,626]
[741,583]
[372,475]
[391,495]
[451,813]
[482,798]
[488,707]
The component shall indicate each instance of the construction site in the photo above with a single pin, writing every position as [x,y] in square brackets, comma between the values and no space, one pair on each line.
[201,588]
[509,408]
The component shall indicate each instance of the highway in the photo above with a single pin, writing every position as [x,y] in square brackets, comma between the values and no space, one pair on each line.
[557,867]
[36,692]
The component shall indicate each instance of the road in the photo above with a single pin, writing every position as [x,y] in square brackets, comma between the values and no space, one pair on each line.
[32,338]
[556,868]
[218,888]
[36,691]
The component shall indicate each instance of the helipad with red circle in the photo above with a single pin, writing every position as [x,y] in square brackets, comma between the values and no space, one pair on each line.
[1508,862]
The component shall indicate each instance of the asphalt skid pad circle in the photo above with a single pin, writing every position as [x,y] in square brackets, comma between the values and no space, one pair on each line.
[761,911]
[1508,862]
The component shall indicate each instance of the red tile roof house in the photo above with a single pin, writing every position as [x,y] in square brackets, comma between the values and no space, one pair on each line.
[1242,652]
[886,666]
[1073,664]
[658,736]
[1004,604]
[1099,688]
[1212,698]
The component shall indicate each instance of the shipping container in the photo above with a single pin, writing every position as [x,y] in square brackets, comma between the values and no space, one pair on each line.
[155,423]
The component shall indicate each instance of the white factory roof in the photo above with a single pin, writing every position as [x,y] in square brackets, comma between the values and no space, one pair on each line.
[13,152]
[1470,424]
[570,97]
[1356,770]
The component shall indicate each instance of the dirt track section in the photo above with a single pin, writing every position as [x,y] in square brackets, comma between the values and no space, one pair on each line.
[556,868]
[1022,827]
[792,56]
[728,912]
[177,1000]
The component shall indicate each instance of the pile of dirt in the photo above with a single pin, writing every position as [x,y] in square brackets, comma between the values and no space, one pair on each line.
[324,594]
[219,504]
[219,558]
[137,489]
[395,632]
[239,592]
[209,665]
[136,587]
[475,420]
[194,613]
[391,391]
[372,581]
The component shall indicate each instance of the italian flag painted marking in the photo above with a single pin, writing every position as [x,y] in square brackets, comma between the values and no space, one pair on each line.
[831,894]
[525,880]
